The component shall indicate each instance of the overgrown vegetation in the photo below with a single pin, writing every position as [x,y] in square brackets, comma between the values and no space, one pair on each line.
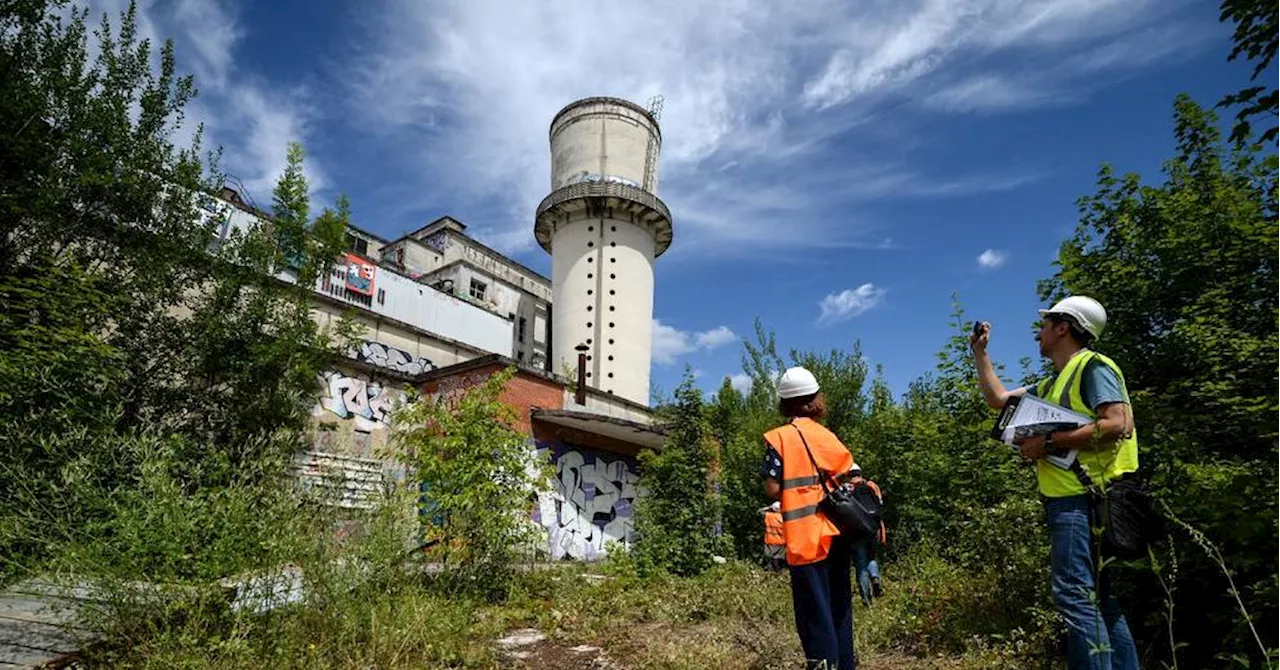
[478,475]
[140,357]
[679,508]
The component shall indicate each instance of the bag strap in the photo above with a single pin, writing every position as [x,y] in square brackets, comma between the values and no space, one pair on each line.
[1083,476]
[822,481]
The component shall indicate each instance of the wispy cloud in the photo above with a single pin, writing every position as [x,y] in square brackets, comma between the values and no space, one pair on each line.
[670,343]
[762,99]
[992,259]
[253,120]
[993,93]
[847,304]
[740,381]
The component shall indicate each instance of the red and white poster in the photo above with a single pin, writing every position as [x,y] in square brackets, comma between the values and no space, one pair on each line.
[360,274]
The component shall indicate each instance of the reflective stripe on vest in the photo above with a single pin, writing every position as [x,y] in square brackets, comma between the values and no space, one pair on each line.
[773,531]
[808,532]
[1101,465]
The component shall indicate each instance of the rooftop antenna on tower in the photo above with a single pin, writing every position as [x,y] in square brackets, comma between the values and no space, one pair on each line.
[651,152]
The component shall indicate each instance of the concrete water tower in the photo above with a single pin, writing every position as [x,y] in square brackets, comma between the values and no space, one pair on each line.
[603,225]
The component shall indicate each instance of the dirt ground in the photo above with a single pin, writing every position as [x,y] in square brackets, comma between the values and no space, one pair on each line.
[529,649]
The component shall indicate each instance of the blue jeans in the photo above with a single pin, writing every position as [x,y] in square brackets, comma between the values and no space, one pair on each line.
[866,567]
[822,596]
[1098,637]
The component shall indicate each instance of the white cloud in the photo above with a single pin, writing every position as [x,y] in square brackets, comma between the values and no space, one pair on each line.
[716,337]
[991,259]
[847,304]
[761,99]
[993,93]
[741,381]
[252,119]
[670,343]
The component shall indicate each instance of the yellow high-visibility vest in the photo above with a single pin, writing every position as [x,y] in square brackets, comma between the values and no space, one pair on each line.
[1102,464]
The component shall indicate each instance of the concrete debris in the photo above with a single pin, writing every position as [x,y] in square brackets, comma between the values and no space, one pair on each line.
[522,638]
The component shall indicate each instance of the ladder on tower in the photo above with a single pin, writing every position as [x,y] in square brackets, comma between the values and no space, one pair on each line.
[651,152]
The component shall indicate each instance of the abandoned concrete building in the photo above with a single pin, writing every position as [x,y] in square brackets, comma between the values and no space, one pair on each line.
[443,312]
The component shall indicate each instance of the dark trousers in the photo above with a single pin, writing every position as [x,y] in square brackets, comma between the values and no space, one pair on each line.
[822,595]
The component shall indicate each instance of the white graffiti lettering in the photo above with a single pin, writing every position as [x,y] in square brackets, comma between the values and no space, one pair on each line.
[377,353]
[590,504]
[369,403]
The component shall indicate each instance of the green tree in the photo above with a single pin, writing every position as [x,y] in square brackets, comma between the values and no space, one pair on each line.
[120,320]
[478,474]
[842,376]
[1187,271]
[677,517]
[1255,37]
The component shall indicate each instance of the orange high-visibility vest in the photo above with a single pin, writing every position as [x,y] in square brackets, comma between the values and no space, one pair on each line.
[807,530]
[773,534]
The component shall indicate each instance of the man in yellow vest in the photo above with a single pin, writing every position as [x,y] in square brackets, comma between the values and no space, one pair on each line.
[1087,382]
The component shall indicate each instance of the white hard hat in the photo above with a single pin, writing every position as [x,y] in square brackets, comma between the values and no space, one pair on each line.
[1086,311]
[797,383]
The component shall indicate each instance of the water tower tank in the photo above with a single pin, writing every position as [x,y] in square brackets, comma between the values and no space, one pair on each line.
[604,225]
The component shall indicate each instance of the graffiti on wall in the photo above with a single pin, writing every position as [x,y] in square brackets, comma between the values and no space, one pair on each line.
[439,241]
[381,355]
[590,502]
[359,274]
[451,389]
[368,402]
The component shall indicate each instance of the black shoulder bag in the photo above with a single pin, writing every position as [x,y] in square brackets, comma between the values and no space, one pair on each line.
[1126,513]
[855,520]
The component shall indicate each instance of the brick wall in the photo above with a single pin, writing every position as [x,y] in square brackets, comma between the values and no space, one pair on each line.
[524,391]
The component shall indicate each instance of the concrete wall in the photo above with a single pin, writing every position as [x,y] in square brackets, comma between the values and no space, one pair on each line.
[601,139]
[423,307]
[414,257]
[457,247]
[609,405]
[603,272]
[415,344]
[506,300]
[373,245]
[591,502]
[352,413]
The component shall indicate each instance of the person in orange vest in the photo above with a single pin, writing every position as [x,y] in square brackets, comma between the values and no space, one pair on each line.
[797,455]
[864,552]
[775,543]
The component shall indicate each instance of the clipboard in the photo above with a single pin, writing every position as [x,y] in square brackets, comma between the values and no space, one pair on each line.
[1026,415]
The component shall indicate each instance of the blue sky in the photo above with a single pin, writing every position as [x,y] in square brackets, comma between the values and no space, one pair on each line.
[836,169]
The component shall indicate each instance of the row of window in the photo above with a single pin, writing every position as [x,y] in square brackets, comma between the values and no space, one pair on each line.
[591,292]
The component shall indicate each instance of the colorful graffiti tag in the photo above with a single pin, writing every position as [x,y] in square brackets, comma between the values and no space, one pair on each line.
[590,503]
[366,401]
[381,355]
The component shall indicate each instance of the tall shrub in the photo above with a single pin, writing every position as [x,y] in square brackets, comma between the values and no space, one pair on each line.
[478,474]
[678,516]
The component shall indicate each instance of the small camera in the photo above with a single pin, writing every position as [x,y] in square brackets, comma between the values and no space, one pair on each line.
[977,327]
